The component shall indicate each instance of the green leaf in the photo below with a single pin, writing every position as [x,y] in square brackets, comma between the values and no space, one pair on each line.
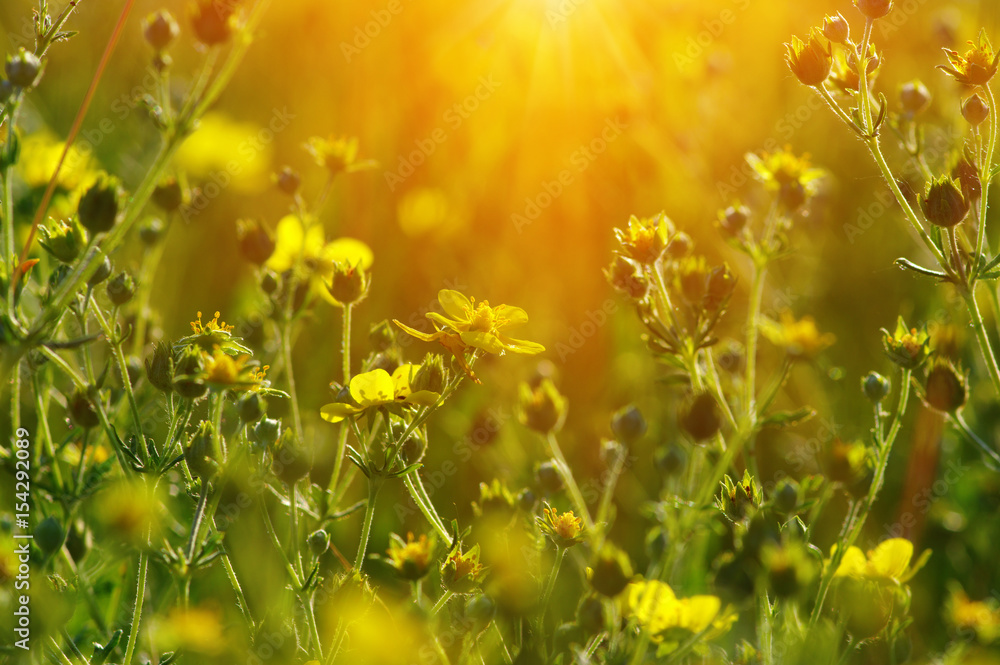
[782,419]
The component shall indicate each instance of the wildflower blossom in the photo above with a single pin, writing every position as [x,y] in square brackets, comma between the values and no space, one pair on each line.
[564,529]
[462,572]
[810,61]
[411,558]
[659,611]
[645,239]
[977,66]
[906,347]
[338,154]
[213,334]
[377,388]
[800,338]
[888,563]
[791,177]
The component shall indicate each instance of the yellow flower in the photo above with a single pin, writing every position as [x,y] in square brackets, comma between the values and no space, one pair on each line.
[213,335]
[196,629]
[792,177]
[462,573]
[232,372]
[304,246]
[810,61]
[658,610]
[40,153]
[976,66]
[977,616]
[224,148]
[476,325]
[377,388]
[889,562]
[908,348]
[800,338]
[565,529]
[412,558]
[338,154]
[645,240]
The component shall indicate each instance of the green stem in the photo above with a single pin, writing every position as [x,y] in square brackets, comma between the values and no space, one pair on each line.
[753,326]
[567,476]
[987,166]
[441,602]
[374,485]
[116,347]
[764,628]
[60,655]
[866,100]
[985,346]
[550,583]
[418,492]
[294,519]
[269,528]
[241,599]
[137,611]
[286,354]
[199,515]
[338,461]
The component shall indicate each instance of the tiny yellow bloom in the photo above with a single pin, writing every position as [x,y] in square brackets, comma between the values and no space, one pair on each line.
[645,239]
[565,529]
[377,388]
[977,66]
[411,558]
[800,338]
[790,176]
[982,618]
[462,573]
[232,372]
[338,154]
[215,334]
[658,609]
[889,562]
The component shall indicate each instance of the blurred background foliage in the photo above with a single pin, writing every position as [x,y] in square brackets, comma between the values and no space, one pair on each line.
[681,90]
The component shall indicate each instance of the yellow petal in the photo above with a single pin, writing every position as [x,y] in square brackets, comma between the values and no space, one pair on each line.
[350,251]
[288,238]
[426,337]
[513,316]
[401,379]
[891,558]
[853,564]
[652,603]
[698,612]
[454,324]
[520,345]
[334,413]
[486,341]
[373,387]
[455,304]
[423,398]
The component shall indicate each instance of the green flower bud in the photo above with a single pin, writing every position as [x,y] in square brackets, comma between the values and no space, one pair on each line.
[543,408]
[265,433]
[212,22]
[789,568]
[169,195]
[628,424]
[348,285]
[907,348]
[121,289]
[611,571]
[944,204]
[480,610]
[189,371]
[102,273]
[319,542]
[734,219]
[702,419]
[874,9]
[82,411]
[49,535]
[256,244]
[98,207]
[875,387]
[160,29]
[945,389]
[738,499]
[914,97]
[836,29]
[23,68]
[64,241]
[786,498]
[269,283]
[202,453]
[160,368]
[975,110]
[288,180]
[432,375]
[549,478]
[252,407]
[152,231]
[290,460]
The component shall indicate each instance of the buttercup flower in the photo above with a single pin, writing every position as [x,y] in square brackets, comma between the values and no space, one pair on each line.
[377,388]
[982,618]
[906,347]
[462,573]
[977,66]
[810,61]
[212,335]
[338,154]
[800,338]
[411,558]
[232,372]
[658,610]
[792,177]
[645,239]
[475,325]
[564,529]
[303,246]
[887,563]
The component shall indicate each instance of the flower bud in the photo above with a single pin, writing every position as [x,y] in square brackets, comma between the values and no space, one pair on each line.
[874,9]
[670,459]
[611,572]
[169,195]
[875,387]
[98,207]
[734,219]
[348,284]
[738,498]
[121,289]
[23,68]
[624,277]
[721,284]
[810,61]
[288,180]
[189,374]
[480,610]
[945,388]
[786,498]
[6,90]
[628,424]
[256,244]
[160,29]
[679,246]
[836,28]
[975,110]
[914,97]
[49,535]
[290,461]
[549,478]
[269,283]
[252,407]
[944,204]
[381,336]
[64,241]
[151,231]
[543,408]
[82,411]
[701,420]
[265,433]
[212,22]
[102,273]
[160,367]
[202,453]
[432,375]
[319,542]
